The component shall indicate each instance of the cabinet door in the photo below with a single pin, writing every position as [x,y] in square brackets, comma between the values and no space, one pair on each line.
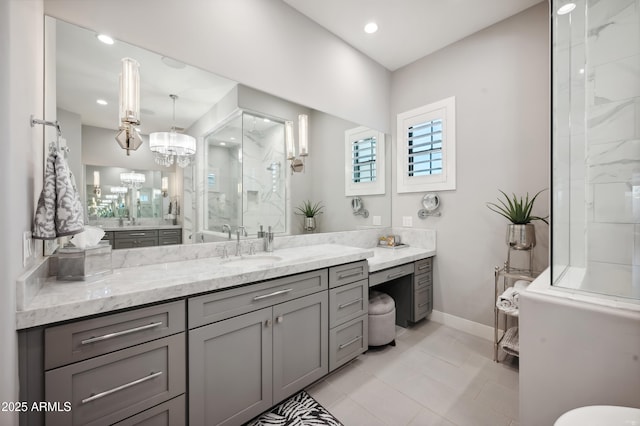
[300,344]
[230,369]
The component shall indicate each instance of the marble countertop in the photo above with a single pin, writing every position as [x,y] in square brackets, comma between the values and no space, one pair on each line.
[387,258]
[127,287]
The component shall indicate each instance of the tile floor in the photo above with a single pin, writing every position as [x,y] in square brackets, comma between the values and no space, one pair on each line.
[436,375]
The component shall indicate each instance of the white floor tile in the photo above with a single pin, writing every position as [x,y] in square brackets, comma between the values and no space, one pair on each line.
[350,413]
[435,375]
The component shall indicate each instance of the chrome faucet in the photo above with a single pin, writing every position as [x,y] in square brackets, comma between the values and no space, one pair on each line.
[244,232]
[227,228]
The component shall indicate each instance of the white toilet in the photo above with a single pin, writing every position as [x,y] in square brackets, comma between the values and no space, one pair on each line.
[600,415]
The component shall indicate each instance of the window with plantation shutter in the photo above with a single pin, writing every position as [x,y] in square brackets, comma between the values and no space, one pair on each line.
[364,162]
[426,148]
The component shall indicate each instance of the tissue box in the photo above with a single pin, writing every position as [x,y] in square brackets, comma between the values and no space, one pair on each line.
[75,264]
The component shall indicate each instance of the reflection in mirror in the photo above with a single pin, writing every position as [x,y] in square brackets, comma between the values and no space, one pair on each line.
[245,183]
[116,195]
[254,189]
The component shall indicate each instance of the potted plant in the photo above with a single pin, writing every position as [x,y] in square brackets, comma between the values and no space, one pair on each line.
[309,211]
[520,233]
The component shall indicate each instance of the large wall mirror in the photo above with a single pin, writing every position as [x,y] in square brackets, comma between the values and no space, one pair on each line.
[240,175]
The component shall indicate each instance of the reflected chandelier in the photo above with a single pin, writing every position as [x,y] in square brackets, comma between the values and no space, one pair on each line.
[132,179]
[171,146]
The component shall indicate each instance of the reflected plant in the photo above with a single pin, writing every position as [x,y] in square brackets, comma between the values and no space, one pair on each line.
[308,209]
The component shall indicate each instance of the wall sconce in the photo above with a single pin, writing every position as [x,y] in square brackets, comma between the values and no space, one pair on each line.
[297,164]
[165,187]
[96,183]
[128,137]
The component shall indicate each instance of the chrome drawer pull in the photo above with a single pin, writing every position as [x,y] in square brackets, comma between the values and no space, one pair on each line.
[275,293]
[420,268]
[353,302]
[420,305]
[123,387]
[353,274]
[137,234]
[121,333]
[350,342]
[396,275]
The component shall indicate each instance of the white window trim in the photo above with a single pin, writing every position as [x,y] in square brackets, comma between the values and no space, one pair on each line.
[364,188]
[445,110]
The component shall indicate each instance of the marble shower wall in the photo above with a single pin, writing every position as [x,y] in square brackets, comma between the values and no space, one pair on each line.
[612,173]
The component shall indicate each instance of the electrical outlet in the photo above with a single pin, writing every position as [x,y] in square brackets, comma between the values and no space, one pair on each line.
[407,221]
[377,220]
[27,247]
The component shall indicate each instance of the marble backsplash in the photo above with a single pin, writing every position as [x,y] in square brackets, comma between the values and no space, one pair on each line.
[32,280]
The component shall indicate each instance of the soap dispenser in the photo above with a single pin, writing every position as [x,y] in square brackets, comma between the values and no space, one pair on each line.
[268,241]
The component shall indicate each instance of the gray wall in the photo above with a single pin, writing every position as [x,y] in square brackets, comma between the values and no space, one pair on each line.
[263,44]
[71,125]
[499,77]
[21,30]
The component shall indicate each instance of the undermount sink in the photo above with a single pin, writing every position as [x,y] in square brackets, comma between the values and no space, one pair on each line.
[252,260]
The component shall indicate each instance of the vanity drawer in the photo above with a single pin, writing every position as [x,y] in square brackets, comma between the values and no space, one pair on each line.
[424,265]
[390,274]
[169,236]
[348,341]
[80,340]
[126,243]
[225,304]
[345,274]
[147,233]
[166,414]
[422,303]
[422,281]
[112,387]
[348,302]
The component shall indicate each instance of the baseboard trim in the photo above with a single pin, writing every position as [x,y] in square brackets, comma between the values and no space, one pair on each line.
[462,324]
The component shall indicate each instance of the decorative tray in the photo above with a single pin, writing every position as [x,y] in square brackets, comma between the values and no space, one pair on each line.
[394,247]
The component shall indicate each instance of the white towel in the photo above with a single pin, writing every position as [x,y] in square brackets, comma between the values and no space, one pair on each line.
[509,301]
[59,211]
[510,343]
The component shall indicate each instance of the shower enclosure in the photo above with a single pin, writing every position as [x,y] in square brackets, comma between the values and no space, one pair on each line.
[596,146]
[244,178]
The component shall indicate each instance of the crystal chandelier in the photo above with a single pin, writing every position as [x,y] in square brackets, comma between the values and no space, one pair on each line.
[171,146]
[132,179]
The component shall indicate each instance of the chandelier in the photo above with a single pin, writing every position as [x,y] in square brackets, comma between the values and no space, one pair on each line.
[132,179]
[171,146]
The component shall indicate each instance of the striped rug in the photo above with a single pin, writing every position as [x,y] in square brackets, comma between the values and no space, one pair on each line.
[299,410]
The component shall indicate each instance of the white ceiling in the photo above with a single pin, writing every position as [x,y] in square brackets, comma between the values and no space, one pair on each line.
[408,29]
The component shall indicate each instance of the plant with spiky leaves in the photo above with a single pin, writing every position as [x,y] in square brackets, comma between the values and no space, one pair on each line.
[517,210]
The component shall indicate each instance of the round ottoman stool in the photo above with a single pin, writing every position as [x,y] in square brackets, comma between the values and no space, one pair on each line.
[382,319]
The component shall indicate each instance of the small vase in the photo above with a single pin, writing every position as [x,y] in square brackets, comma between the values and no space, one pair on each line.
[521,237]
[309,224]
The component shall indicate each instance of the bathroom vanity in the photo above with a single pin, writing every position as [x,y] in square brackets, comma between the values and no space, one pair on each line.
[235,337]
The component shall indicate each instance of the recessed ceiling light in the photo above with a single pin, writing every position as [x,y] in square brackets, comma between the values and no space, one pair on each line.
[223,143]
[105,39]
[232,138]
[566,8]
[102,102]
[266,120]
[371,28]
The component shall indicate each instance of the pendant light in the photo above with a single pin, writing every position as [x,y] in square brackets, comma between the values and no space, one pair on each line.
[170,147]
[128,137]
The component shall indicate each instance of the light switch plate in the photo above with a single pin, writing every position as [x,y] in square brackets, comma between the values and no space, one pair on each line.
[407,221]
[377,220]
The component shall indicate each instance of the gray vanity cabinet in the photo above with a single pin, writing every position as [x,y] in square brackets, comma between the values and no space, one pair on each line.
[230,364]
[241,365]
[300,337]
[422,289]
[348,312]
